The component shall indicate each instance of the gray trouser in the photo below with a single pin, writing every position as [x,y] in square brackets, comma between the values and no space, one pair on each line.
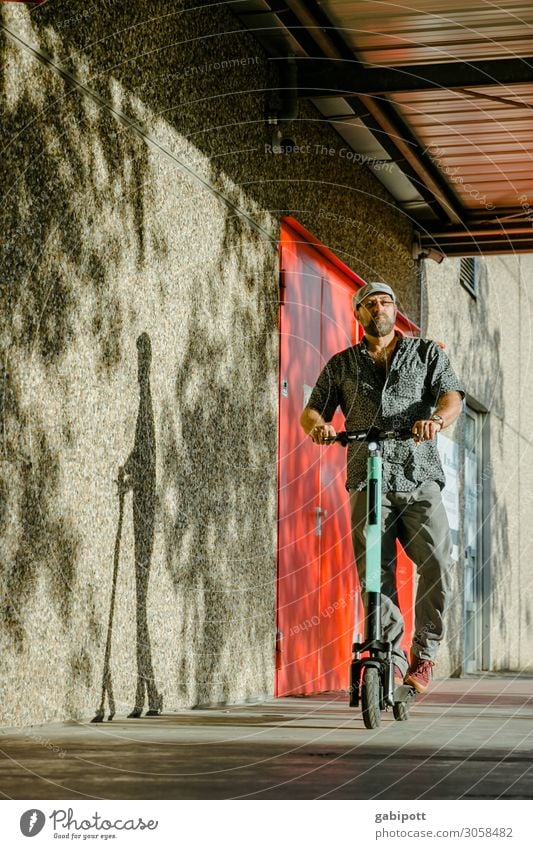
[418,519]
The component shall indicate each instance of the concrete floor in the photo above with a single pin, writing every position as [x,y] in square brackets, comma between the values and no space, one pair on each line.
[465,739]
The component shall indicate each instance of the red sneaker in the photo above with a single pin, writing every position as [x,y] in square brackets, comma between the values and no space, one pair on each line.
[420,674]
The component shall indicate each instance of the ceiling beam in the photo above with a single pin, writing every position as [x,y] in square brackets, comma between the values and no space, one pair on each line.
[485,228]
[487,241]
[502,216]
[324,77]
[497,248]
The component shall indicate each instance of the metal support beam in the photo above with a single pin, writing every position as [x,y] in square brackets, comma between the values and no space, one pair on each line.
[324,77]
[470,242]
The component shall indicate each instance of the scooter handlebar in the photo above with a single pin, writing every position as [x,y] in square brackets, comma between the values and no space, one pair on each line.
[370,435]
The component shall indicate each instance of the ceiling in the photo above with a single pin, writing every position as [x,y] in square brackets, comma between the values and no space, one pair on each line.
[441,91]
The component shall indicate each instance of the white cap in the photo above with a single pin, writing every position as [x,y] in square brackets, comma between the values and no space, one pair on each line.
[372,289]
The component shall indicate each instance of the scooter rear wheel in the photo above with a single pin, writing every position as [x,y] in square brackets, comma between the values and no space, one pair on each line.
[371,697]
[400,711]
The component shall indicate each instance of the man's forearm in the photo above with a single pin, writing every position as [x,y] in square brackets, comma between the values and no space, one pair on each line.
[449,407]
[310,418]
[315,426]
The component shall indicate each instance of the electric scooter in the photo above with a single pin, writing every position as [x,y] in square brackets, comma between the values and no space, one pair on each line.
[372,675]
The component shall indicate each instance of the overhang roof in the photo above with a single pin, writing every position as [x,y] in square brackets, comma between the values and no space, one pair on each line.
[440,90]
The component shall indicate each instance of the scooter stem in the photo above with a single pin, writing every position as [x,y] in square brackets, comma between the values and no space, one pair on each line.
[373,544]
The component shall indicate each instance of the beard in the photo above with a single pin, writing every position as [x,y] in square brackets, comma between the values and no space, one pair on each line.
[380,325]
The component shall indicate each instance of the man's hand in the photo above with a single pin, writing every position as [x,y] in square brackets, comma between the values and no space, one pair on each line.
[321,432]
[425,429]
[315,426]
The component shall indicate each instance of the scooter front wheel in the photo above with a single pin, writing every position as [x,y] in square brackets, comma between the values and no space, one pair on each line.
[371,697]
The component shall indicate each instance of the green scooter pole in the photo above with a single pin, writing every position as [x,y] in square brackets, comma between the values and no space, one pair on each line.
[373,544]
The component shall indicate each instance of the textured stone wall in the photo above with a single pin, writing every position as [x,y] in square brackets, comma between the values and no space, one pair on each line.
[138,272]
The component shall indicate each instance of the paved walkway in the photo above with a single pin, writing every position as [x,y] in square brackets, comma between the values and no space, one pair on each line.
[468,739]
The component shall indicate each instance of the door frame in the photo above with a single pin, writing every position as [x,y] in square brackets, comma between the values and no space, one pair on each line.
[484,539]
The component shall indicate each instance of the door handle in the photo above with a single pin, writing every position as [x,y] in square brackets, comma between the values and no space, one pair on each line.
[319,515]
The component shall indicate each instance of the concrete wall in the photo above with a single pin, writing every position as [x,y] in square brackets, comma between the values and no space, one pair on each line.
[140,215]
[489,341]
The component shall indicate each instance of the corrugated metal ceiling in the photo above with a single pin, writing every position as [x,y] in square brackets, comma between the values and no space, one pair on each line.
[483,147]
[389,33]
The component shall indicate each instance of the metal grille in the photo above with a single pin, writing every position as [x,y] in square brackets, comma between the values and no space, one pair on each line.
[468,273]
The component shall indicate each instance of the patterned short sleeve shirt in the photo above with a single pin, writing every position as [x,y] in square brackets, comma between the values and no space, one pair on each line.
[419,373]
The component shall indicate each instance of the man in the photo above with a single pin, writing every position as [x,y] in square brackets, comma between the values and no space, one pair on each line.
[393,382]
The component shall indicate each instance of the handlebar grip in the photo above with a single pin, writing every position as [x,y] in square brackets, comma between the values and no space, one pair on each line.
[406,433]
[341,438]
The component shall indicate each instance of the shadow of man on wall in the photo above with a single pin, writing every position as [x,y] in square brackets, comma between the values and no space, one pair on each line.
[139,476]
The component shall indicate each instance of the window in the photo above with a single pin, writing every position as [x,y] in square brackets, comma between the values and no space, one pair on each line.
[469,274]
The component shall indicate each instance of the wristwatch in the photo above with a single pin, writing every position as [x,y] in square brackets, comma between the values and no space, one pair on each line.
[436,418]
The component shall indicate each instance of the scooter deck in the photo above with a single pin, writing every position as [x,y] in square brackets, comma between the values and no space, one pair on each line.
[404,693]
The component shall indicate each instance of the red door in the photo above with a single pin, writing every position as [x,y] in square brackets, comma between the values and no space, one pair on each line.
[318,602]
[299,481]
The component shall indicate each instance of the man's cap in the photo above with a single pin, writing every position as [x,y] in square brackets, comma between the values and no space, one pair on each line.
[372,289]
